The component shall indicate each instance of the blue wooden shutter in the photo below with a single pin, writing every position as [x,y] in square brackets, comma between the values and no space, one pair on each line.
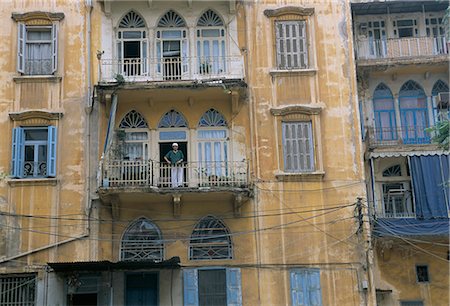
[315,294]
[17,152]
[190,287]
[305,287]
[298,286]
[234,292]
[21,40]
[54,47]
[51,150]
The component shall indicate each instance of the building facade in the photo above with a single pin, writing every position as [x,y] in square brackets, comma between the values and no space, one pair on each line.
[401,51]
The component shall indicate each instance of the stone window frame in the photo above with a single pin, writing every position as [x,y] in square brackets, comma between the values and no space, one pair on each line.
[298,113]
[294,13]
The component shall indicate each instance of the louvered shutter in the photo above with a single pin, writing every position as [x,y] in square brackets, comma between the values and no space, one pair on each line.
[291,44]
[298,286]
[21,40]
[190,287]
[144,59]
[315,294]
[298,147]
[54,47]
[51,151]
[17,152]
[234,292]
[184,53]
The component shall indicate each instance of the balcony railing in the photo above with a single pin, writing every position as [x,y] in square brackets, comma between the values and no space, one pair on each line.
[171,68]
[392,48]
[197,175]
[389,136]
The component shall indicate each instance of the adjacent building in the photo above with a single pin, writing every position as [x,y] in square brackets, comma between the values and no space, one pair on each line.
[401,50]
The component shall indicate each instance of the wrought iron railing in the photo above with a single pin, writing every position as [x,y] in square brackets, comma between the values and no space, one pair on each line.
[387,136]
[220,174]
[401,47]
[171,68]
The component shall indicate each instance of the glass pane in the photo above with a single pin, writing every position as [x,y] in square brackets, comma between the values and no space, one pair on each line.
[171,34]
[132,34]
[38,35]
[173,135]
[211,33]
[136,136]
[36,134]
[29,153]
[212,134]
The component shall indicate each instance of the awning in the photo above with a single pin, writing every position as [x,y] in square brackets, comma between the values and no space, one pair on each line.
[409,6]
[404,153]
[106,265]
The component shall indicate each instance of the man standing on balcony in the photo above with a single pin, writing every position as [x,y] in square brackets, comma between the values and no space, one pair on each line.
[175,158]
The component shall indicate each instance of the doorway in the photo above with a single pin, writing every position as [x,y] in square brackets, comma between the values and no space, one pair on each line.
[141,289]
[132,58]
[165,173]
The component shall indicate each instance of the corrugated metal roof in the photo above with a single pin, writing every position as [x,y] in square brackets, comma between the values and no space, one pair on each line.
[105,265]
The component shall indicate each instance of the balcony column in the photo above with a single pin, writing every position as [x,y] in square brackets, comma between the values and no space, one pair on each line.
[192,34]
[192,156]
[398,117]
[430,111]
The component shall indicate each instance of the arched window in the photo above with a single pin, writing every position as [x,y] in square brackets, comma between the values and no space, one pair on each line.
[440,109]
[384,111]
[413,113]
[212,139]
[133,136]
[132,45]
[172,46]
[392,171]
[210,239]
[172,119]
[211,48]
[142,241]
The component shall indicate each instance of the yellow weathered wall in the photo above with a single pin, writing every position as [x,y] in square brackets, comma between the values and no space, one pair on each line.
[66,94]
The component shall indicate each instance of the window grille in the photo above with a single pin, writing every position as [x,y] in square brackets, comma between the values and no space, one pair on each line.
[291,44]
[439,86]
[212,118]
[142,241]
[171,20]
[210,19]
[210,239]
[132,20]
[212,287]
[172,119]
[133,120]
[298,147]
[397,200]
[18,290]
[392,171]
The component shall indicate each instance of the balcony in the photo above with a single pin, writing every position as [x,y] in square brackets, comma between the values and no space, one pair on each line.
[394,136]
[401,48]
[171,69]
[156,177]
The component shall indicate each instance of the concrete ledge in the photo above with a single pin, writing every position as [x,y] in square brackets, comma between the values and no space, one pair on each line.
[300,177]
[32,182]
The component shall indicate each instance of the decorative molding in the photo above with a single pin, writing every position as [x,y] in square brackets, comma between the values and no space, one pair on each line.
[307,109]
[296,10]
[300,177]
[176,199]
[35,116]
[37,79]
[37,17]
[33,182]
[288,72]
